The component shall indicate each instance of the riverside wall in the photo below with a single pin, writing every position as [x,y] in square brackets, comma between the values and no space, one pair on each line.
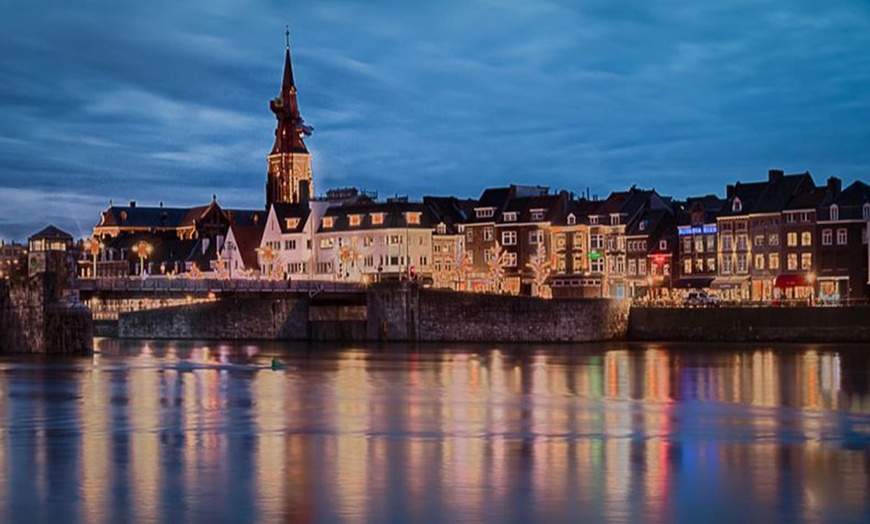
[745,324]
[38,316]
[227,319]
[386,313]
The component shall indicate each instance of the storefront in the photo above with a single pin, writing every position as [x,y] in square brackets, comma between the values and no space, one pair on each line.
[798,286]
[833,289]
[734,289]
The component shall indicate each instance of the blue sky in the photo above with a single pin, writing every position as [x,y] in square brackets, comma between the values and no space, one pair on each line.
[168,101]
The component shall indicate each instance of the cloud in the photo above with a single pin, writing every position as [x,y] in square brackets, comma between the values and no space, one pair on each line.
[169,101]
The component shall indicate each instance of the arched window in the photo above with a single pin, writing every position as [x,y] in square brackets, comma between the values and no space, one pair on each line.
[572,219]
[737,205]
[835,212]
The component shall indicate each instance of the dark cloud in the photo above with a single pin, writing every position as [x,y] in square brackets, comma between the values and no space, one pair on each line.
[168,101]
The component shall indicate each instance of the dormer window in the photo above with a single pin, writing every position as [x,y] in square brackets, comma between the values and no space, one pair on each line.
[441,228]
[412,218]
[354,220]
[614,220]
[291,223]
[538,214]
[327,222]
[510,216]
[642,225]
[484,212]
[867,211]
[572,219]
[593,220]
[736,205]
[377,219]
[835,212]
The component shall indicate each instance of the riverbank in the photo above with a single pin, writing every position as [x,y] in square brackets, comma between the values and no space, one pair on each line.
[744,324]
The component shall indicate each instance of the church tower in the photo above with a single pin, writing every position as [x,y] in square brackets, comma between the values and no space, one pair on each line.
[289,175]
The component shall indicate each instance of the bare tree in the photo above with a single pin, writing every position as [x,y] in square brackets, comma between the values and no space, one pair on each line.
[496,266]
[541,266]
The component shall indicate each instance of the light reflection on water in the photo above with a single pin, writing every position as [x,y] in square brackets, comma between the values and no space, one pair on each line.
[174,432]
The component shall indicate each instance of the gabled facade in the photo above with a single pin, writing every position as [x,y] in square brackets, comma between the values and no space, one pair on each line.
[451,262]
[842,229]
[697,242]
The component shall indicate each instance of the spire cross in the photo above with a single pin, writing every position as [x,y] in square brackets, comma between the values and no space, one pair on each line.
[287,35]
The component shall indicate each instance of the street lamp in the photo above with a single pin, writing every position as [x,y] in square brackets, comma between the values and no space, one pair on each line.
[93,246]
[143,249]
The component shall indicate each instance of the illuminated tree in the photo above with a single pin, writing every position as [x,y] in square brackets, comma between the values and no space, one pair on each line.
[540,266]
[496,268]
[462,268]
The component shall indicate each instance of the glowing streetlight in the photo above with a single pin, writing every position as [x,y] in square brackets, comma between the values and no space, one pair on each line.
[94,246]
[143,249]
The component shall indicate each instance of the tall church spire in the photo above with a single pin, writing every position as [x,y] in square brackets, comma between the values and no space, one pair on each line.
[289,178]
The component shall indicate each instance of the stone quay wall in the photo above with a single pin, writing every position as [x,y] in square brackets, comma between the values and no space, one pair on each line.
[407,313]
[237,318]
[37,317]
[744,324]
[389,312]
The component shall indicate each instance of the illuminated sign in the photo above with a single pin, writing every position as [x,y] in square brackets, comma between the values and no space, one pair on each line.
[593,256]
[698,230]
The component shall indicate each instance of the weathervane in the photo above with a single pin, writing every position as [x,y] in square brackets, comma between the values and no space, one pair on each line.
[287,34]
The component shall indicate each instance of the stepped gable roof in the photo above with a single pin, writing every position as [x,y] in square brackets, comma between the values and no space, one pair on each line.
[553,206]
[283,211]
[248,239]
[51,233]
[394,216]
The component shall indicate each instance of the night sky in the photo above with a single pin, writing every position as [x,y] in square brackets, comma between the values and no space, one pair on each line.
[168,101]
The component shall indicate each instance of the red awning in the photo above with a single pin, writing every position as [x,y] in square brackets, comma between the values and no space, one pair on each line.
[797,280]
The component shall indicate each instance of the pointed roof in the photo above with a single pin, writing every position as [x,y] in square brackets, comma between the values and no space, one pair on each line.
[51,233]
[291,127]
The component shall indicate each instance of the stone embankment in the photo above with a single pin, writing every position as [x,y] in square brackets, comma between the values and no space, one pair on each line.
[756,324]
[388,312]
[38,316]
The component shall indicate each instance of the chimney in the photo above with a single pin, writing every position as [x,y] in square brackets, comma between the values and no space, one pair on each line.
[835,185]
[132,203]
[774,174]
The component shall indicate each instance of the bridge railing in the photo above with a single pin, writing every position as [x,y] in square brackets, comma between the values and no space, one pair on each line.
[214,285]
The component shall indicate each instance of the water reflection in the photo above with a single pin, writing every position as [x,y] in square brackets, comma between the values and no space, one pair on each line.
[147,432]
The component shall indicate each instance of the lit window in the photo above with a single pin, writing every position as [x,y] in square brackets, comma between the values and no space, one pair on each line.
[377,219]
[806,261]
[355,220]
[327,222]
[291,223]
[759,261]
[327,243]
[773,261]
[791,239]
[412,218]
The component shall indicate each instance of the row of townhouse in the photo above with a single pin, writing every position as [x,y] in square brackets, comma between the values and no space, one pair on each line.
[781,238]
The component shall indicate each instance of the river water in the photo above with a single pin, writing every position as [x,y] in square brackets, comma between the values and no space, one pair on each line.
[209,432]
